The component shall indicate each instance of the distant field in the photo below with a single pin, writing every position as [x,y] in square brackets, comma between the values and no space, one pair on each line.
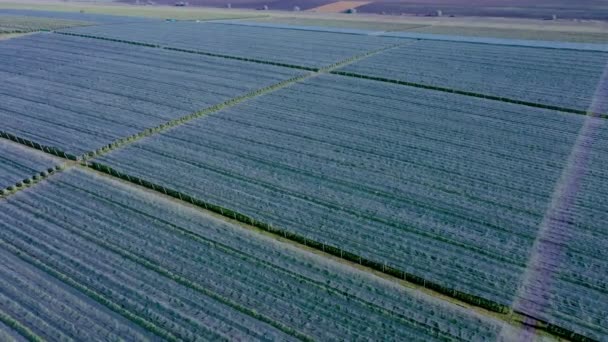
[513,33]
[5,36]
[23,24]
[137,11]
[283,5]
[561,30]
[341,23]
[562,78]
[301,48]
[548,33]
[583,9]
[119,94]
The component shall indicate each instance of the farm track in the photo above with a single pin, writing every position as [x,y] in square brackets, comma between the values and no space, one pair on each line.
[331,69]
[487,307]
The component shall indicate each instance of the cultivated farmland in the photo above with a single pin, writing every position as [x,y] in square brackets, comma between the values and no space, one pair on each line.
[18,163]
[397,175]
[185,181]
[163,266]
[21,24]
[35,303]
[292,47]
[560,78]
[96,92]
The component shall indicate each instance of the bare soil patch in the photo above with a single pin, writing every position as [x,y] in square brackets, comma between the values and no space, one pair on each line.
[339,6]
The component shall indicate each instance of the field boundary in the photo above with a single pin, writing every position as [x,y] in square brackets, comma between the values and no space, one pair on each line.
[413,35]
[354,75]
[33,179]
[37,177]
[47,149]
[329,249]
[198,52]
[194,236]
[476,301]
[504,312]
[226,104]
[471,94]
[184,119]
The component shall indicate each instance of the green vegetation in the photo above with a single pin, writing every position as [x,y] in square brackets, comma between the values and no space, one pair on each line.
[24,331]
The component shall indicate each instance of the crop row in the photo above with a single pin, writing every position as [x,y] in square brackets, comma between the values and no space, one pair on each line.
[21,24]
[55,311]
[9,331]
[77,94]
[561,78]
[397,175]
[570,289]
[20,165]
[185,275]
[17,24]
[291,47]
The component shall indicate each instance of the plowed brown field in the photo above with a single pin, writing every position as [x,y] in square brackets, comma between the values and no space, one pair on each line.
[339,6]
